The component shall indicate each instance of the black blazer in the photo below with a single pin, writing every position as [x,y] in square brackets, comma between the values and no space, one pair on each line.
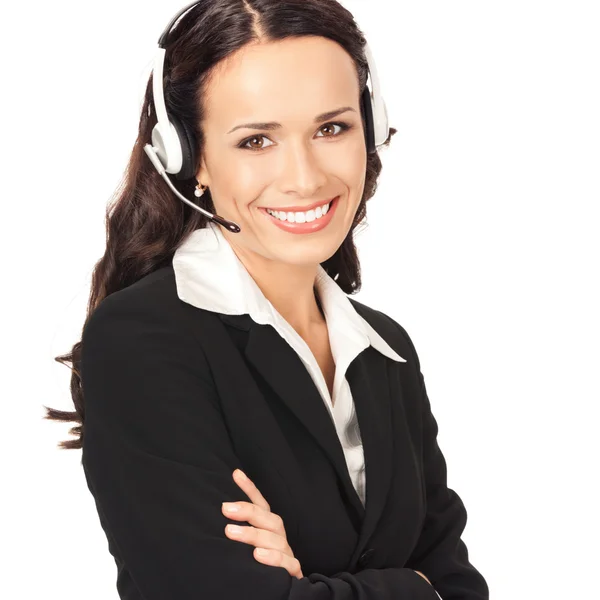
[176,398]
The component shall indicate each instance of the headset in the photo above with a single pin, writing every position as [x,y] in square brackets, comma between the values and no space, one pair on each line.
[174,147]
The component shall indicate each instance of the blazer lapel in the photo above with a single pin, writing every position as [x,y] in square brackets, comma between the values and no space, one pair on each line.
[369,381]
[367,375]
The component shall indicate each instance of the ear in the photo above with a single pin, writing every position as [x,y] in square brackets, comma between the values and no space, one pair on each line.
[202,176]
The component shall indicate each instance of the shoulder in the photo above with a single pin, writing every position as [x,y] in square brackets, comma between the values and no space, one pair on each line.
[144,318]
[152,301]
[388,328]
[153,293]
[136,343]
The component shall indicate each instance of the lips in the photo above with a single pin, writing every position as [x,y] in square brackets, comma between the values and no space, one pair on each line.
[307,227]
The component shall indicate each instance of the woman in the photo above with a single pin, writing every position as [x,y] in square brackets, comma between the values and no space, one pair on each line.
[220,337]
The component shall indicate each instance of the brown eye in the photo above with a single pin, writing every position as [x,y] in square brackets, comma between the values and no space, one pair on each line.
[247,143]
[329,125]
[256,137]
[343,127]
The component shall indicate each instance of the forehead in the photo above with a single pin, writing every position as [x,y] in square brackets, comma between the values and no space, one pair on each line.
[289,80]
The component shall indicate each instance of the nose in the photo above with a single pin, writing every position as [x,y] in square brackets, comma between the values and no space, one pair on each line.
[304,170]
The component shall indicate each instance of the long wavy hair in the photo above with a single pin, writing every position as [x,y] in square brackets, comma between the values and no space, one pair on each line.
[145,221]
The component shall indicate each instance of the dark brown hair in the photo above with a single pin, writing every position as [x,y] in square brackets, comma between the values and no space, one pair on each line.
[146,222]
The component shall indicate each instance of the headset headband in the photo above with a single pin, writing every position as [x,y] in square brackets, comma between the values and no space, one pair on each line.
[173,141]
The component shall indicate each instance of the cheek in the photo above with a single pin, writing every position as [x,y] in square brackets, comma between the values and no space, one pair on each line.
[247,185]
[354,179]
[238,193]
[249,174]
[354,166]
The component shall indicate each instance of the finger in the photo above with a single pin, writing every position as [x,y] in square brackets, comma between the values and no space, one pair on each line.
[256,516]
[277,559]
[260,538]
[251,490]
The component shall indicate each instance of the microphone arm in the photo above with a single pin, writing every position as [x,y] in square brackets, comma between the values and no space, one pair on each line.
[229,225]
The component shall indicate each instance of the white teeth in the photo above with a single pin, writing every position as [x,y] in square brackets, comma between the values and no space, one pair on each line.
[301,217]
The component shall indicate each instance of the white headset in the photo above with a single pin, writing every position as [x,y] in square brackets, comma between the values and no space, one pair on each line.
[173,149]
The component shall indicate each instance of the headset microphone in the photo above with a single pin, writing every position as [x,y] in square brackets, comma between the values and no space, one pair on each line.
[174,148]
[233,227]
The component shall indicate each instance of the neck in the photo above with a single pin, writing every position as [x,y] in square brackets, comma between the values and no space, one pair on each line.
[290,289]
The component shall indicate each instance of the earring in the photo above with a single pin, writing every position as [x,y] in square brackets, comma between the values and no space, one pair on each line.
[200,189]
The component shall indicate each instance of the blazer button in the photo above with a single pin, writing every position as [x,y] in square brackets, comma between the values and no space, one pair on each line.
[365,557]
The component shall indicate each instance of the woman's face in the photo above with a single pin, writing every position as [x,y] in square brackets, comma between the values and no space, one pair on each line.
[297,163]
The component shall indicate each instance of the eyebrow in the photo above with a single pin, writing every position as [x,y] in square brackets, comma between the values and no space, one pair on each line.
[273,125]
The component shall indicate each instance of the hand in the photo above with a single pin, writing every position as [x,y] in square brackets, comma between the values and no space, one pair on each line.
[423,576]
[268,532]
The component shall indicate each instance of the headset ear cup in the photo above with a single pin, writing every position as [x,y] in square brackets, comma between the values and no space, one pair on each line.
[187,139]
[367,112]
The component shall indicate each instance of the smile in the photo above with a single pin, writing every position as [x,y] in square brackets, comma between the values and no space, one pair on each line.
[301,217]
[303,222]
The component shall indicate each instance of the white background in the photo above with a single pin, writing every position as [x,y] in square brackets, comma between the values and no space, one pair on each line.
[482,242]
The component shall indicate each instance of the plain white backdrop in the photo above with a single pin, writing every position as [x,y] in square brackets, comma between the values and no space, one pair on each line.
[483,242]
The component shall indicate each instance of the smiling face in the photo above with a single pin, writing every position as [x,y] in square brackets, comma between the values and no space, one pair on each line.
[308,158]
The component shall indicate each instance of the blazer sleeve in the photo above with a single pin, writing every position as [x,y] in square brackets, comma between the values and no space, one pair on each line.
[440,552]
[158,461]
